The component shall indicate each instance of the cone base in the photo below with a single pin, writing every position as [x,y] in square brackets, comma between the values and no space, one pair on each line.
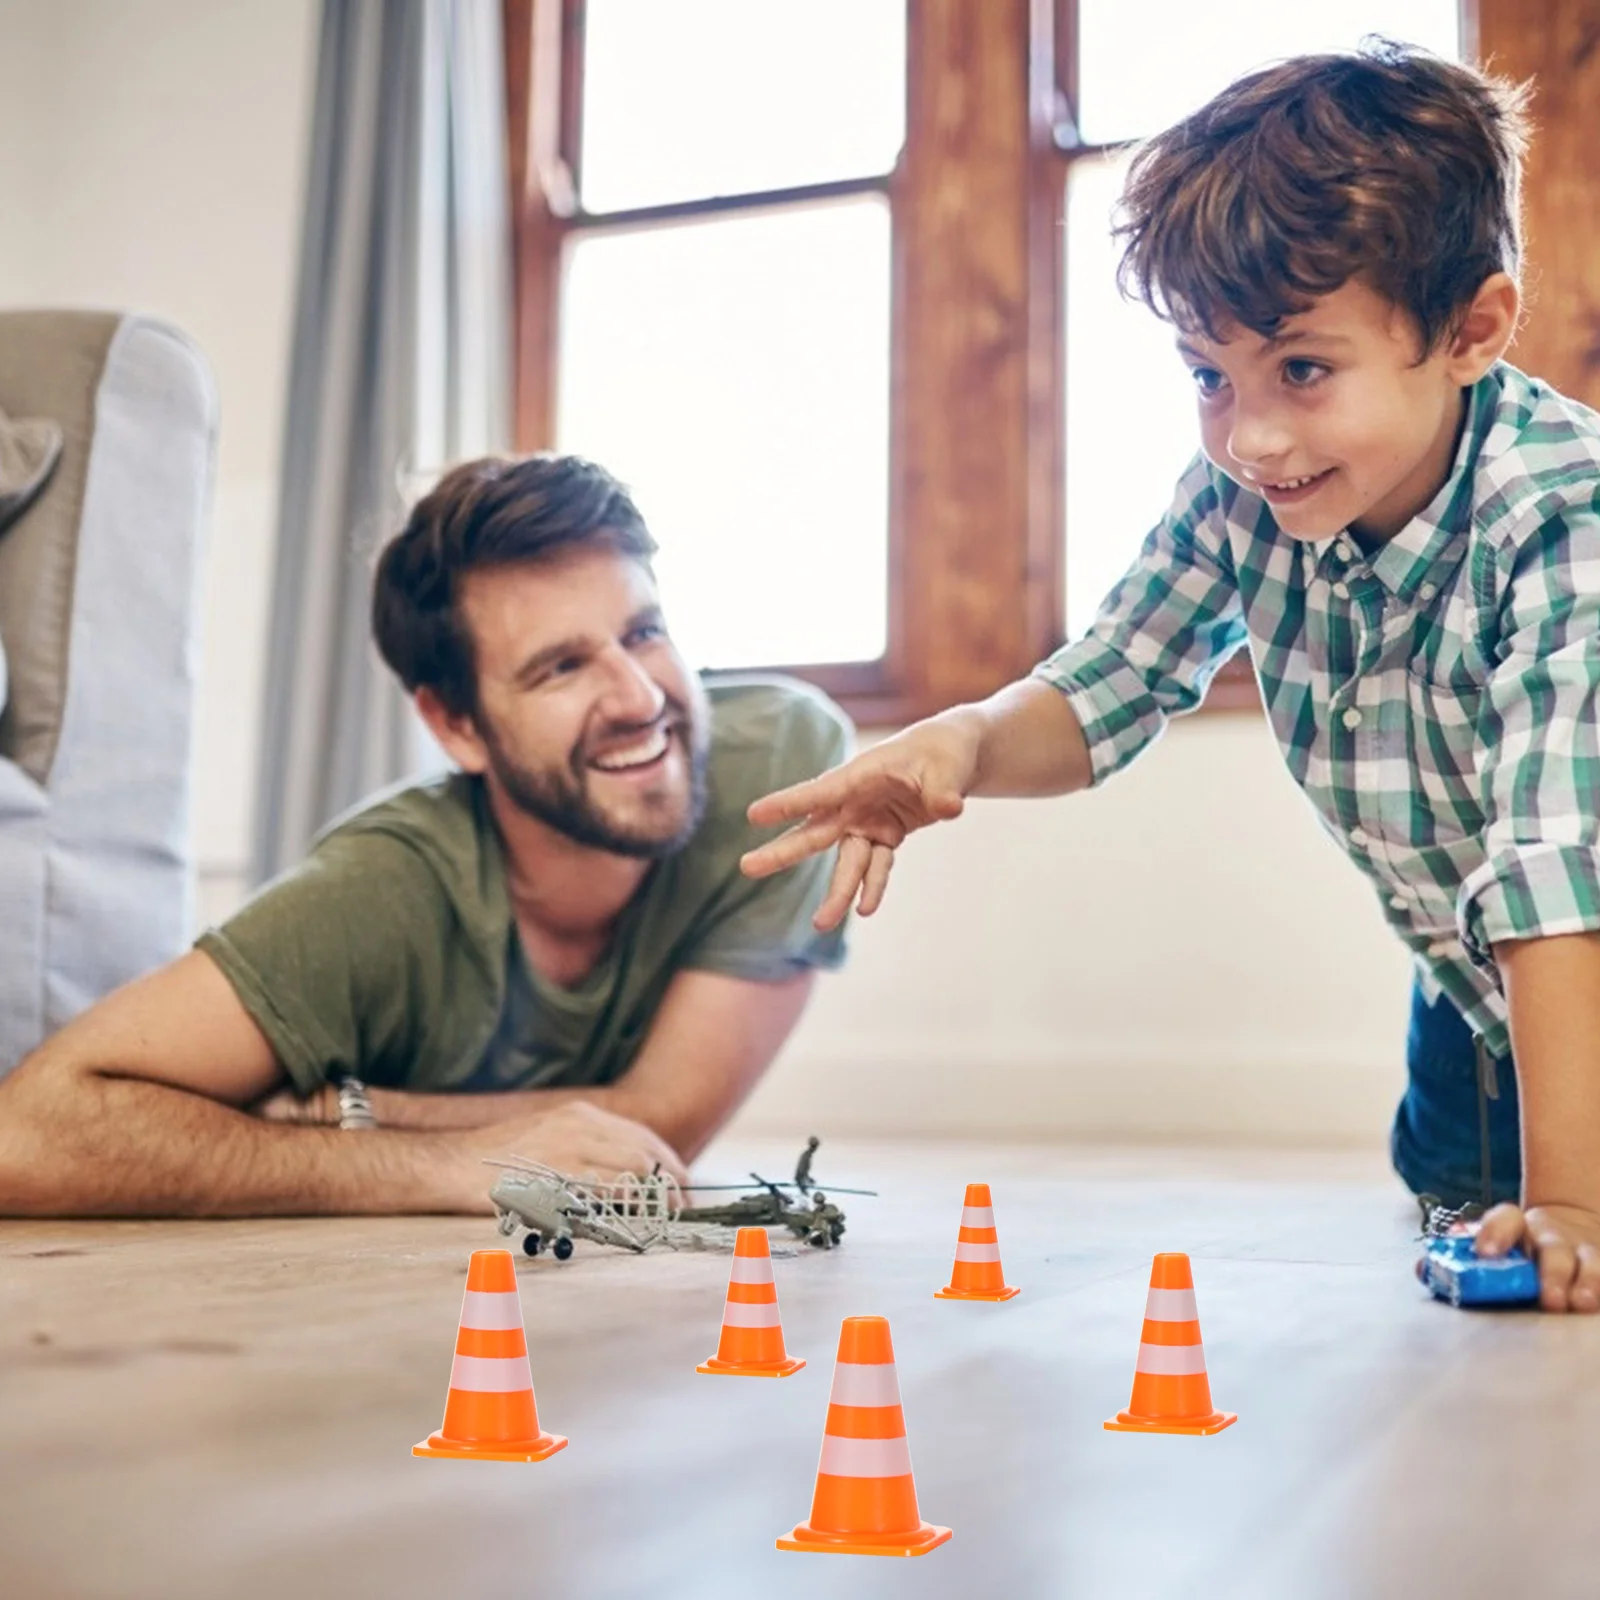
[538,1449]
[947,1293]
[918,1542]
[1126,1422]
[739,1369]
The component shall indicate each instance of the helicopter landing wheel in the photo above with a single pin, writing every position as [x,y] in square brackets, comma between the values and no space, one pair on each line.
[561,1249]
[531,1244]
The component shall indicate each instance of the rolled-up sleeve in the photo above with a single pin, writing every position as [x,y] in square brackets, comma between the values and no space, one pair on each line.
[1540,741]
[1171,621]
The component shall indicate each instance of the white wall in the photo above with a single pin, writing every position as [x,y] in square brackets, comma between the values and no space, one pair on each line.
[1180,955]
[151,158]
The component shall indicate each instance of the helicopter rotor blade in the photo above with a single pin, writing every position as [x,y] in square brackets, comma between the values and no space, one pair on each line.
[827,1188]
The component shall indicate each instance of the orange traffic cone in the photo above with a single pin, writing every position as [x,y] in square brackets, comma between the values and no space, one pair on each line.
[977,1274]
[489,1414]
[752,1334]
[1171,1393]
[866,1501]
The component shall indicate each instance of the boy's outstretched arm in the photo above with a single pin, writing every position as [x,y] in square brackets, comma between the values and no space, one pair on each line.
[1553,988]
[1025,740]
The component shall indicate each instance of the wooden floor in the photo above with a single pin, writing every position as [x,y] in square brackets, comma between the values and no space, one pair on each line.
[225,1411]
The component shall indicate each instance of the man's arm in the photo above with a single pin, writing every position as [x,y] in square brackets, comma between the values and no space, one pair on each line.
[134,1109]
[711,1041]
[1553,988]
[712,1038]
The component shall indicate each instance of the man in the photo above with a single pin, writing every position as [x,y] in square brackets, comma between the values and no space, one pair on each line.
[550,951]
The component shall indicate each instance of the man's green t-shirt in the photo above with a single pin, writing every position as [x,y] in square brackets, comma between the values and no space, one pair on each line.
[391,952]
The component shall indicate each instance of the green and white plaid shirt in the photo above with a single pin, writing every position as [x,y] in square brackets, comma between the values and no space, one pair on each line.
[1435,697]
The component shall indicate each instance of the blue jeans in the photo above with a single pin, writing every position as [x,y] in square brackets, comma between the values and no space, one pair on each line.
[1437,1140]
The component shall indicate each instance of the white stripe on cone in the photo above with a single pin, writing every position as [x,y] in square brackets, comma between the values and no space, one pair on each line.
[864,1384]
[1171,1305]
[1171,1360]
[491,1374]
[865,1458]
[977,1252]
[977,1216]
[741,1314]
[496,1311]
[751,1269]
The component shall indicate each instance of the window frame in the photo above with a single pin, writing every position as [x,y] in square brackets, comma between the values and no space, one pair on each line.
[974,366]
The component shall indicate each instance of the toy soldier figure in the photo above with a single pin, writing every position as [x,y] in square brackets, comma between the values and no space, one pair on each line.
[802,1171]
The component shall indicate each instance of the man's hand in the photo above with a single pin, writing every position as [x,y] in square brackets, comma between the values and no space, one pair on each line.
[1564,1240]
[578,1138]
[867,807]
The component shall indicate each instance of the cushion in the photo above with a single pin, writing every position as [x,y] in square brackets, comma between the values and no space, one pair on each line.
[51,365]
[29,450]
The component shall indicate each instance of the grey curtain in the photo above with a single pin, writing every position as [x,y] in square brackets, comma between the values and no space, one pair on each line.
[400,365]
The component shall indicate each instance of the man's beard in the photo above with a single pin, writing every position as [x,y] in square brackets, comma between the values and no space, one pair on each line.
[559,797]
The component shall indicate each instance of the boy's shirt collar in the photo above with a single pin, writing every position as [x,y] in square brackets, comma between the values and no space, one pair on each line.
[1430,547]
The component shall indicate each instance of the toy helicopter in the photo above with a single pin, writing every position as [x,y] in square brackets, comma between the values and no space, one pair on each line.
[817,1221]
[556,1209]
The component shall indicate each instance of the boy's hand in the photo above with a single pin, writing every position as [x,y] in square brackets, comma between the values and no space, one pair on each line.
[1564,1240]
[867,807]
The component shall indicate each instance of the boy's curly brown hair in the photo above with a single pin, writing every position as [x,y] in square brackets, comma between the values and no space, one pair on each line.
[1385,163]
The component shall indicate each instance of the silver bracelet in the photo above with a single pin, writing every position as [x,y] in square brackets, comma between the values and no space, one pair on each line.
[355,1108]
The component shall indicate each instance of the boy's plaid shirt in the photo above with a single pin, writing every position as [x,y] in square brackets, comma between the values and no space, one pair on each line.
[1435,699]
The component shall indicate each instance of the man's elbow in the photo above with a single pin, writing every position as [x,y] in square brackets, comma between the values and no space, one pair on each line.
[686,1128]
[689,1136]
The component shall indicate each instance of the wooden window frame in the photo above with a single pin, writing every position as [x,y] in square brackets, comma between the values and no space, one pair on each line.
[1556,43]
[975,376]
[976,538]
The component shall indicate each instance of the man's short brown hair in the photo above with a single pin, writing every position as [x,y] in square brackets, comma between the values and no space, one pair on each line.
[1385,163]
[492,512]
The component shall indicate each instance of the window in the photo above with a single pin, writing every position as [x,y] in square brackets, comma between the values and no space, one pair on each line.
[725,329]
[735,371]
[774,266]
[831,286]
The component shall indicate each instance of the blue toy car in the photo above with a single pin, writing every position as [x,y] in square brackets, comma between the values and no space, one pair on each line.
[1451,1270]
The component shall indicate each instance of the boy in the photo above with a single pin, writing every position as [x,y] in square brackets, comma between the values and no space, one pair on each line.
[1406,532]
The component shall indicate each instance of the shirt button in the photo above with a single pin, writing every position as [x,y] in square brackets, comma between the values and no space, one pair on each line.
[1342,589]
[1428,590]
[1358,837]
[1352,718]
[1345,550]
[1399,902]
[1442,947]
